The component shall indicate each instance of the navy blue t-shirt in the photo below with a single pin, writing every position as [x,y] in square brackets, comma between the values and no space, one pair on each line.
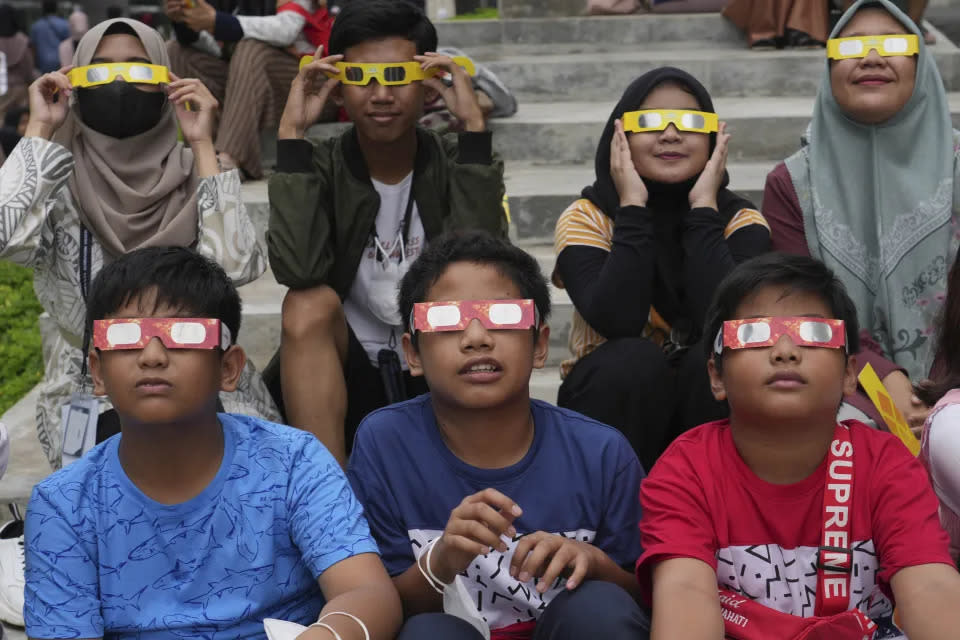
[580,478]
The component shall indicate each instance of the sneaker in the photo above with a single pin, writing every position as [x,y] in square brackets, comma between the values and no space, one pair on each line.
[11,572]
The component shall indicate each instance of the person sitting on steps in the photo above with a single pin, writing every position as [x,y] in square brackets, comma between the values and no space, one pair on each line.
[349,215]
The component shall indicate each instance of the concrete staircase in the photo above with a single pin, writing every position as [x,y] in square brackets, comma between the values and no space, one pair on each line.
[567,74]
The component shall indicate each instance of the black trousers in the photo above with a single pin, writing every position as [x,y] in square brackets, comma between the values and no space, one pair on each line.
[593,610]
[630,384]
[365,388]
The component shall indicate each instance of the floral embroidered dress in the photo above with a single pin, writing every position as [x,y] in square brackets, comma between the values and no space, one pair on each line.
[40,229]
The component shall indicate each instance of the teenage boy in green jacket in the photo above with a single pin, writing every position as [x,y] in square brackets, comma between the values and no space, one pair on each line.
[348,215]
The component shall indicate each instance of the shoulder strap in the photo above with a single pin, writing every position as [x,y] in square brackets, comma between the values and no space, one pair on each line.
[835,555]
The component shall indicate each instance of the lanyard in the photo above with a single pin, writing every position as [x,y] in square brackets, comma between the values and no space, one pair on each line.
[404,226]
[85,266]
[835,555]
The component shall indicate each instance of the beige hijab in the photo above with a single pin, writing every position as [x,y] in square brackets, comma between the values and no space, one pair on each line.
[136,192]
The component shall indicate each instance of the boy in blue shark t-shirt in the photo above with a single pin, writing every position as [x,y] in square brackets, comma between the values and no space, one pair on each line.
[534,507]
[191,523]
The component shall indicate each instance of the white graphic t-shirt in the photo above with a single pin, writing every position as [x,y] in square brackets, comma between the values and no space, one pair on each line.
[368,287]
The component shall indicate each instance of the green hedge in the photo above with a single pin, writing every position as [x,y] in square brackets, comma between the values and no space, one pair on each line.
[21,362]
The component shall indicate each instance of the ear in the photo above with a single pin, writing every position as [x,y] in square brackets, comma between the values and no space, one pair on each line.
[231,366]
[541,347]
[93,363]
[850,375]
[412,355]
[716,381]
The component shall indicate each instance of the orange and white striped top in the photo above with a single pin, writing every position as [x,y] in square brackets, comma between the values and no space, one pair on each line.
[583,224]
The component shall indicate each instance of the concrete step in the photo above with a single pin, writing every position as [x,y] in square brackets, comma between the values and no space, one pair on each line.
[262,302]
[763,128]
[540,192]
[641,29]
[548,74]
[544,384]
[566,133]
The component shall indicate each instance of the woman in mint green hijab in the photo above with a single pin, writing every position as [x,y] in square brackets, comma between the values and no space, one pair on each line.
[875,191]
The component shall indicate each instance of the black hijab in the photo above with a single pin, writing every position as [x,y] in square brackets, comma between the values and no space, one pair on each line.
[663,197]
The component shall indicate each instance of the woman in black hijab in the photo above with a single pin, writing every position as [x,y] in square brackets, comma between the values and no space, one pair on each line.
[641,254]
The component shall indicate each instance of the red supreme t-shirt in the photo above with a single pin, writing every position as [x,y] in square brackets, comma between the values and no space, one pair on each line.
[702,501]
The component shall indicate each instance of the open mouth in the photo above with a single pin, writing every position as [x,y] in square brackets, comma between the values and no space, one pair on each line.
[482,370]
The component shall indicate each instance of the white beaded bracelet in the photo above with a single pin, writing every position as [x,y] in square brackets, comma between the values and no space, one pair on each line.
[428,573]
[324,625]
[366,634]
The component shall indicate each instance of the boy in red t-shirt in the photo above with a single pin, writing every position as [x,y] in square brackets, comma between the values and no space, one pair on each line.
[780,499]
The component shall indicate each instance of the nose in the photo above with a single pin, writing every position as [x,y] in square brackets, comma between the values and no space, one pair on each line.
[475,337]
[785,350]
[153,355]
[381,92]
[670,134]
[873,58]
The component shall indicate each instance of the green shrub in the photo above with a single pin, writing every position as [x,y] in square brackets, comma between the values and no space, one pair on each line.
[21,362]
[490,13]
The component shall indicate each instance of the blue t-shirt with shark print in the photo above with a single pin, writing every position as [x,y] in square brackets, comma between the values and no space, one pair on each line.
[104,560]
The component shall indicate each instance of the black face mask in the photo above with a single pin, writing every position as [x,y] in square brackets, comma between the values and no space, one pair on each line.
[119,109]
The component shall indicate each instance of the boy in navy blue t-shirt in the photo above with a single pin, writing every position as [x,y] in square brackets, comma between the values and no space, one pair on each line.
[191,523]
[532,509]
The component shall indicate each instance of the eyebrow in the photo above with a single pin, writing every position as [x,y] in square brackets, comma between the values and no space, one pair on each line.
[108,61]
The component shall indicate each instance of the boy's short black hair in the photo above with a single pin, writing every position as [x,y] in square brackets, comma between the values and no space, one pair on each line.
[478,247]
[365,20]
[797,273]
[181,278]
[48,7]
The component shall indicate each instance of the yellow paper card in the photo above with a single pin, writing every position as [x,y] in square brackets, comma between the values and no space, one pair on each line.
[881,399]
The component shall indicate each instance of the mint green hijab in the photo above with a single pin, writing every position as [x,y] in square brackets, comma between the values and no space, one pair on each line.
[881,205]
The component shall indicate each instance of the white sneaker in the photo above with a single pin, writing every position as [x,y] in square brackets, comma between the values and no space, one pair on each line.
[11,572]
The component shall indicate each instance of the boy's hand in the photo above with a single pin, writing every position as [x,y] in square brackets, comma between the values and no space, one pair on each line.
[474,529]
[308,95]
[547,556]
[197,123]
[460,99]
[630,186]
[202,17]
[704,192]
[49,97]
[174,10]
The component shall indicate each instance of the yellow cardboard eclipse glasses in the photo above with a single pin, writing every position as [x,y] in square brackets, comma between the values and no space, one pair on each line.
[660,119]
[96,74]
[898,44]
[388,73]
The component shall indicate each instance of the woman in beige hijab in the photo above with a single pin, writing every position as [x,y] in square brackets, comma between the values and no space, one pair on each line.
[100,172]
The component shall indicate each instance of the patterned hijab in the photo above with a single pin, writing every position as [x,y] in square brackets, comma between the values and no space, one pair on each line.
[133,192]
[880,203]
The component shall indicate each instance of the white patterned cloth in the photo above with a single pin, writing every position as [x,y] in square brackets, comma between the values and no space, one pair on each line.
[40,229]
